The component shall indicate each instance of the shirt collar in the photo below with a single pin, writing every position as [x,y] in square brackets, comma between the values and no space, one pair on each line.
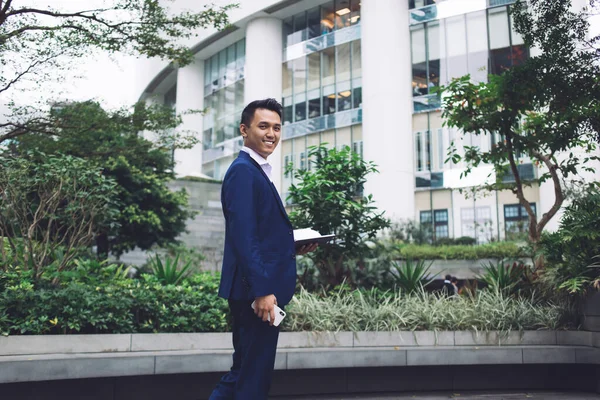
[255,156]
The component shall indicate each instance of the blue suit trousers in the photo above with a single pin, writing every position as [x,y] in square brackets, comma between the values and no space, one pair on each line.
[255,345]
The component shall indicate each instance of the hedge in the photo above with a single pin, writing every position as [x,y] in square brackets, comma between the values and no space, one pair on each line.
[119,306]
[458,252]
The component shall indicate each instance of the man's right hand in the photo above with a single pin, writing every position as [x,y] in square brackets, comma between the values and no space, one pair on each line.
[265,306]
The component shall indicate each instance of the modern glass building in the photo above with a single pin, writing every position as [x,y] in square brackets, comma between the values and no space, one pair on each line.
[356,73]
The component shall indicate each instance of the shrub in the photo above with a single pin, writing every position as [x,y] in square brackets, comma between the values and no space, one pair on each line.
[462,252]
[111,306]
[465,241]
[329,198]
[50,207]
[410,232]
[570,251]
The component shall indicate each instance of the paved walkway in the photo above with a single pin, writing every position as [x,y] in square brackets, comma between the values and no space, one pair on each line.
[457,396]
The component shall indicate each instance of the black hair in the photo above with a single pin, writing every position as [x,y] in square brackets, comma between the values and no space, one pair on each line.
[454,279]
[448,277]
[267,104]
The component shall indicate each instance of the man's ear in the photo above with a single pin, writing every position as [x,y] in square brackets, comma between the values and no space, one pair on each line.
[243,130]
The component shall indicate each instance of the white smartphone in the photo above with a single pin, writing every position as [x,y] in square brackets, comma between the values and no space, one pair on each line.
[279,315]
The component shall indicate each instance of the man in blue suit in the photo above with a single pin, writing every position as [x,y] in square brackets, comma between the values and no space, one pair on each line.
[259,261]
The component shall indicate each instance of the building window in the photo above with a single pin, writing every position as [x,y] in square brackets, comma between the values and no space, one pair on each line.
[476,222]
[333,15]
[302,160]
[441,149]
[322,83]
[418,156]
[506,46]
[439,224]
[224,101]
[286,165]
[516,221]
[427,151]
[357,147]
[419,60]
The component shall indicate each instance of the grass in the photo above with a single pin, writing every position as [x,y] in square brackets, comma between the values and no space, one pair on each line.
[395,311]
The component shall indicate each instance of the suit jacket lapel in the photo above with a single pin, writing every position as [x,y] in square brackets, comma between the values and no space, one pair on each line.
[271,185]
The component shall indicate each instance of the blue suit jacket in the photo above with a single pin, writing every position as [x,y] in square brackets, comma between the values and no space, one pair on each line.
[259,256]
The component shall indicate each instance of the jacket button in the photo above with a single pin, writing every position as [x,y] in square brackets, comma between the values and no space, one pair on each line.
[291,232]
[293,256]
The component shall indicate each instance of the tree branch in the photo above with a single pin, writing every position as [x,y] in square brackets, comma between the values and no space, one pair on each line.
[558,193]
[33,65]
[533,233]
[79,14]
[22,129]
[41,28]
[4,11]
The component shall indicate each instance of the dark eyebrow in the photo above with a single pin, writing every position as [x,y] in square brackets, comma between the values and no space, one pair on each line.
[268,123]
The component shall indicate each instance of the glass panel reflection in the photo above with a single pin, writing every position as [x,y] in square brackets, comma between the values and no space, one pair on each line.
[326,122]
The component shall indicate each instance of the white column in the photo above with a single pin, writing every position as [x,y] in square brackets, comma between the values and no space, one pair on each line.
[387,106]
[263,79]
[190,96]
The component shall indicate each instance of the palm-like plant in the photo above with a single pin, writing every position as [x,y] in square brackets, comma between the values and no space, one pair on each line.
[501,276]
[412,276]
[168,273]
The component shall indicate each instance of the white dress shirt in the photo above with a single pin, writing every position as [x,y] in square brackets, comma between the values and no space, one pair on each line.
[264,164]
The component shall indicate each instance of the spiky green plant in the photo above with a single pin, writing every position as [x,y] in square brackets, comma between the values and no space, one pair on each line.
[412,276]
[501,276]
[168,273]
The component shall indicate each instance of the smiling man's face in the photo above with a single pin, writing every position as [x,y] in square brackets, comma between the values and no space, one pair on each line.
[264,132]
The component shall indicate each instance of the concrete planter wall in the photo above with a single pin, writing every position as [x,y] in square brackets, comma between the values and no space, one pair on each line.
[591,313]
[29,358]
[187,366]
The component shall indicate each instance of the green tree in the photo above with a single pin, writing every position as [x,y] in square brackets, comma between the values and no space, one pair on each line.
[328,197]
[38,44]
[51,209]
[151,214]
[545,109]
[572,249]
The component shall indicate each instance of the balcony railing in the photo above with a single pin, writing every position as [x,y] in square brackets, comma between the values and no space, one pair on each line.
[494,3]
[448,9]
[332,121]
[221,150]
[427,103]
[229,78]
[322,42]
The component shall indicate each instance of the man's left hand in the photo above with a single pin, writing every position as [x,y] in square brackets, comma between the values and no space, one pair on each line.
[307,248]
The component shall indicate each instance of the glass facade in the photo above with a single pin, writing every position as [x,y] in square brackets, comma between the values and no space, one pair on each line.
[322,83]
[476,43]
[320,21]
[452,39]
[224,102]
